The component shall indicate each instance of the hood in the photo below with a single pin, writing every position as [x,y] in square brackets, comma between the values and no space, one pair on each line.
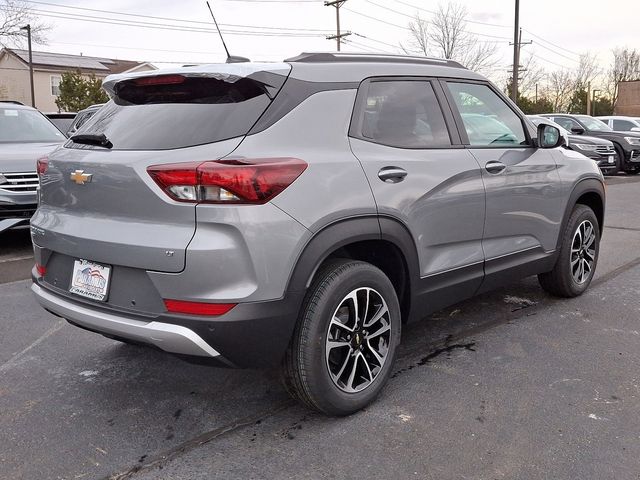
[588,140]
[22,157]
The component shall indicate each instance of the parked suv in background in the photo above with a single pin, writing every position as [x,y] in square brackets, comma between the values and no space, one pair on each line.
[82,117]
[597,149]
[300,212]
[627,144]
[25,136]
[622,124]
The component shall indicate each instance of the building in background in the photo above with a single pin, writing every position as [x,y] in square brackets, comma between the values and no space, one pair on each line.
[628,102]
[47,73]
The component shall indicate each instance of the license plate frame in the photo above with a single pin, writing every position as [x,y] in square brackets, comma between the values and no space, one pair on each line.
[90,280]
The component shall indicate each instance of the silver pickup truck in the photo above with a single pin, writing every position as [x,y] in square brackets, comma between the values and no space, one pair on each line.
[25,136]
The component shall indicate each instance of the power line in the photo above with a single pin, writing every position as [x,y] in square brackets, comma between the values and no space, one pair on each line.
[164,26]
[111,12]
[550,43]
[435,13]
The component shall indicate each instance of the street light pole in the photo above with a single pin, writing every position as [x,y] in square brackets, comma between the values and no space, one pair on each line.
[33,95]
[593,102]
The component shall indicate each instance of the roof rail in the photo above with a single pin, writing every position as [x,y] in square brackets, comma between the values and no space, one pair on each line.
[317,57]
[15,102]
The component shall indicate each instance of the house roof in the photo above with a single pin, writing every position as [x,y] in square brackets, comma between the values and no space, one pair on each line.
[62,60]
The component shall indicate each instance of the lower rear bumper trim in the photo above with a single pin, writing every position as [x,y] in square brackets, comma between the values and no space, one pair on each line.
[168,337]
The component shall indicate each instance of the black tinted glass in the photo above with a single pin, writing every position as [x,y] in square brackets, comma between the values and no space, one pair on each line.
[404,114]
[191,112]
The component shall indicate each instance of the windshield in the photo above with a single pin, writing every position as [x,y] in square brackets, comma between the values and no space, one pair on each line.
[26,126]
[594,124]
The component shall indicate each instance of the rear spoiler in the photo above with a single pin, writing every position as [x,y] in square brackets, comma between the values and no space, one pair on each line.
[227,72]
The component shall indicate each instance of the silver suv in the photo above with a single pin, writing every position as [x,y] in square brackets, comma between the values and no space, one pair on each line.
[25,136]
[299,213]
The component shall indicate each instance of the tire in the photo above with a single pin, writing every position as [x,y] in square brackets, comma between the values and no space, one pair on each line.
[350,376]
[566,279]
[619,159]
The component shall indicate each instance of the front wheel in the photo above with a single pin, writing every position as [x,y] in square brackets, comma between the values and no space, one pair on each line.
[578,255]
[345,343]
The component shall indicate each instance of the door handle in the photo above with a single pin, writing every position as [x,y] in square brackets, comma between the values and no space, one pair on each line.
[495,167]
[392,174]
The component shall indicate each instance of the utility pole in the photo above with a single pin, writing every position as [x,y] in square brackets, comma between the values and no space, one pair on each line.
[338,36]
[516,54]
[517,67]
[33,96]
[589,98]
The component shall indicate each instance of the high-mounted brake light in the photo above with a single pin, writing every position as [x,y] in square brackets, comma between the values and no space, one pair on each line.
[197,308]
[159,80]
[254,181]
[42,165]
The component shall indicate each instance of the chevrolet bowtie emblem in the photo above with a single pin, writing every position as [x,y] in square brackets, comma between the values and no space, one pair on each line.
[80,177]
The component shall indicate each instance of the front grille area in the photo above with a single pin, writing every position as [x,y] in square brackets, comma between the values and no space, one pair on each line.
[16,211]
[19,182]
[605,149]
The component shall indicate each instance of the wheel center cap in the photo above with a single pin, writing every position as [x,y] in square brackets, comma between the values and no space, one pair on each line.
[357,339]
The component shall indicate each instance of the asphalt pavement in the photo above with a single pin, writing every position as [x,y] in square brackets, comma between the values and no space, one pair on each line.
[513,384]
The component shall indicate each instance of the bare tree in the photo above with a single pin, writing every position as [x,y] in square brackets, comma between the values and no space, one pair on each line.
[587,70]
[15,14]
[530,75]
[625,66]
[419,41]
[560,89]
[447,36]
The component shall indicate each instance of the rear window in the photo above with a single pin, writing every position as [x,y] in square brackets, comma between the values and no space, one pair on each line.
[27,126]
[174,111]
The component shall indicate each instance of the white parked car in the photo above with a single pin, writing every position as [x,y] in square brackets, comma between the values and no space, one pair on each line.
[622,124]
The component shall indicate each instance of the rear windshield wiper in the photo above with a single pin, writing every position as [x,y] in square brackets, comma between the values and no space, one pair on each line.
[92,139]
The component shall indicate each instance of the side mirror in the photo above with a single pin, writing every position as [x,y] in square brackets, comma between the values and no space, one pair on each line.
[549,136]
[577,130]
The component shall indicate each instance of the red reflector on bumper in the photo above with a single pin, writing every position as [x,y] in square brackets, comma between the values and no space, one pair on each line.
[41,269]
[198,308]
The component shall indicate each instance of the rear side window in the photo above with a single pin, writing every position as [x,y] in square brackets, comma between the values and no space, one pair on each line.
[160,113]
[403,114]
[487,119]
[622,125]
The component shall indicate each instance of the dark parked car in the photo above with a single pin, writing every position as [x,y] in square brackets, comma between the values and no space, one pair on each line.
[62,120]
[299,213]
[598,149]
[82,117]
[25,136]
[626,144]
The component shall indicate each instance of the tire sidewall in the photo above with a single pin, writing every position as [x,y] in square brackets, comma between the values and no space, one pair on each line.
[321,386]
[580,214]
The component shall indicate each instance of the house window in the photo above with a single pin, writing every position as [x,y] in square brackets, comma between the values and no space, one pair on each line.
[55,85]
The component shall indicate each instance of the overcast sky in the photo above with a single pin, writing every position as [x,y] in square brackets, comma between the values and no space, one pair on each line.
[560,30]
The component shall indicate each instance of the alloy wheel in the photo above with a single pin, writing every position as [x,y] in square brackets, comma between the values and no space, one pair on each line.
[358,340]
[583,252]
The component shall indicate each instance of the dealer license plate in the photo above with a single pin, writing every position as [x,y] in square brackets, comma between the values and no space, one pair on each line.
[90,280]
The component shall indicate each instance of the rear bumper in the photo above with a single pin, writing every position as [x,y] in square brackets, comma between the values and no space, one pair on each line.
[250,335]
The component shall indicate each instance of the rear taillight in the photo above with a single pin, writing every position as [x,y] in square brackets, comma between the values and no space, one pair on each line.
[197,308]
[41,269]
[254,181]
[42,165]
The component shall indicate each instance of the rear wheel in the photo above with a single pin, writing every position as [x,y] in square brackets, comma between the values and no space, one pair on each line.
[578,255]
[346,339]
